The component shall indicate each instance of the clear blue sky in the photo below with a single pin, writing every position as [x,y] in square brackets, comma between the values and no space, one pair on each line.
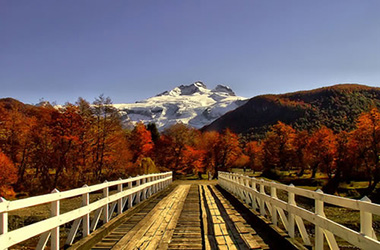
[131,50]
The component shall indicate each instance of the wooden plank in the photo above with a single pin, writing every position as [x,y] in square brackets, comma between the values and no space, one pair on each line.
[151,229]
[237,225]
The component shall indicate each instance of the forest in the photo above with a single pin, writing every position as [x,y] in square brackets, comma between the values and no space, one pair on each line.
[44,147]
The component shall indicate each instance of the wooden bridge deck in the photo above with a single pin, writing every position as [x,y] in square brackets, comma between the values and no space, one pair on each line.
[185,216]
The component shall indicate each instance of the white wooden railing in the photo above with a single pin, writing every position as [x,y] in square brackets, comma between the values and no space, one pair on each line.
[129,191]
[253,192]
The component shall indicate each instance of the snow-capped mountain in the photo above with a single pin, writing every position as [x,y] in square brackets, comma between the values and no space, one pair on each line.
[193,104]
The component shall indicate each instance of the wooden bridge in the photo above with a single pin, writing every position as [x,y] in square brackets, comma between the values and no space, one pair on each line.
[152,212]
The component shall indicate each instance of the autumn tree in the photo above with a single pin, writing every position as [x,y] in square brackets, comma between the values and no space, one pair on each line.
[141,143]
[192,160]
[172,145]
[227,151]
[42,158]
[253,150]
[15,131]
[209,143]
[300,153]
[367,138]
[344,161]
[86,142]
[8,176]
[322,148]
[278,148]
[107,122]
[117,157]
[66,131]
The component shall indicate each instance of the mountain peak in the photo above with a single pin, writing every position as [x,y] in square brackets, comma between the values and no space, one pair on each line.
[192,104]
[197,87]
[224,89]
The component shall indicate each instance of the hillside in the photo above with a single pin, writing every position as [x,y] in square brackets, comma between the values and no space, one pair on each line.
[336,107]
[13,104]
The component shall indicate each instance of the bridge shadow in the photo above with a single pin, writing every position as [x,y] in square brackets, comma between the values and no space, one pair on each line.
[271,237]
[233,231]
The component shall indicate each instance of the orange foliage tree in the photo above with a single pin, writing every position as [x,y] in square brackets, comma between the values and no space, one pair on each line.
[367,138]
[254,151]
[344,162]
[322,148]
[208,143]
[141,143]
[227,151]
[278,148]
[192,160]
[172,146]
[15,131]
[8,176]
[300,153]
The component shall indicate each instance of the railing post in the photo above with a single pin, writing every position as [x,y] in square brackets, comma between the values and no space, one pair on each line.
[3,219]
[242,192]
[253,185]
[138,192]
[86,218]
[234,186]
[120,201]
[318,230]
[246,184]
[262,203]
[366,220]
[291,202]
[55,231]
[145,190]
[106,207]
[130,202]
[150,187]
[155,187]
[273,194]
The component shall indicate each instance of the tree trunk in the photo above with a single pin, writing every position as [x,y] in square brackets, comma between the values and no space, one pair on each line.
[332,185]
[314,171]
[216,172]
[300,173]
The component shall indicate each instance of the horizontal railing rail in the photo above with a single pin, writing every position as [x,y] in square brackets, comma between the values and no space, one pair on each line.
[129,191]
[255,193]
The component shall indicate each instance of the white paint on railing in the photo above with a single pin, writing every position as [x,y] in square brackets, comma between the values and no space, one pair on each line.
[49,228]
[271,206]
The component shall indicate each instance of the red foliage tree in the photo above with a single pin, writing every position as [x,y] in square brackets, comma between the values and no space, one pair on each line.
[278,147]
[172,146]
[322,148]
[141,143]
[254,151]
[208,142]
[227,151]
[192,160]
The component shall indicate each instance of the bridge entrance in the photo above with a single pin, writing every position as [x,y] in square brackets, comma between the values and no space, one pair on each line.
[184,216]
